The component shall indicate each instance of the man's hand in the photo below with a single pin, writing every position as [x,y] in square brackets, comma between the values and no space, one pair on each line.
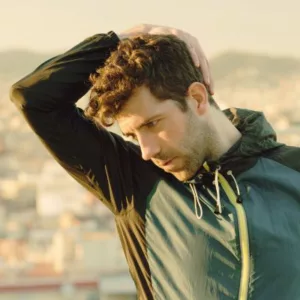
[195,49]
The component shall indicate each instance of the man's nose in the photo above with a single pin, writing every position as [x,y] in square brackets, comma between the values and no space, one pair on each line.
[149,147]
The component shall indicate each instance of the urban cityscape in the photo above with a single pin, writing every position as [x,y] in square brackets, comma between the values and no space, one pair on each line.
[56,239]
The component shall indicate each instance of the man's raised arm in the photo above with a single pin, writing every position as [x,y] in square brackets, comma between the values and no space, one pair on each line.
[47,98]
[101,161]
[63,80]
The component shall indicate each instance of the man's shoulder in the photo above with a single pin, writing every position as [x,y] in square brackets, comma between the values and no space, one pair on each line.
[286,155]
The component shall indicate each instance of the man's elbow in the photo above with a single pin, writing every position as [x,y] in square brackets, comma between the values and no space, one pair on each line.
[16,94]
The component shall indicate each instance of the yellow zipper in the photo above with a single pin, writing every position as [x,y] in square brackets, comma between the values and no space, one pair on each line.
[244,238]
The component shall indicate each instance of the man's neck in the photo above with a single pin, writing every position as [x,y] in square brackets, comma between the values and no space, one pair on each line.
[223,134]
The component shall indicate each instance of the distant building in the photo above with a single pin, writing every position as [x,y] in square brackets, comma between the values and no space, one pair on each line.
[117,286]
[49,288]
[3,217]
[64,244]
[102,252]
[57,191]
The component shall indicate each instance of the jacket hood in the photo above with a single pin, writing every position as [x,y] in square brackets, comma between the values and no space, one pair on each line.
[258,137]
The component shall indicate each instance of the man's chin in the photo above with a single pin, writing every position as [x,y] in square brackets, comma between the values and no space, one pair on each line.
[182,175]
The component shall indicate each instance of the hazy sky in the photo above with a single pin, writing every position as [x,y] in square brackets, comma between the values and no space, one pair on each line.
[268,26]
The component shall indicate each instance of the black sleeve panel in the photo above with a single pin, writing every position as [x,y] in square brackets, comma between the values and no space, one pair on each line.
[101,161]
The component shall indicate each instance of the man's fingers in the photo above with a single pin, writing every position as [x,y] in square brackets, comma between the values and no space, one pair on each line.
[194,56]
[207,77]
[211,82]
[204,67]
[195,49]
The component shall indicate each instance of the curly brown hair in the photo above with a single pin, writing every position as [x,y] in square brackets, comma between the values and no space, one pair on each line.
[160,62]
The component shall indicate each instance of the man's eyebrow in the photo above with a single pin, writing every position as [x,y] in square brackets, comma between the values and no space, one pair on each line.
[141,125]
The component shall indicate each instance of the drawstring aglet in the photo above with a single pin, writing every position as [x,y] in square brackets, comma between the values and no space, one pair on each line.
[217,211]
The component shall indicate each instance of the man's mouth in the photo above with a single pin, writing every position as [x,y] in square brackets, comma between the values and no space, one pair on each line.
[168,162]
[168,165]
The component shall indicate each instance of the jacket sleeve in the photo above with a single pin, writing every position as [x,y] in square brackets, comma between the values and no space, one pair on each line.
[99,160]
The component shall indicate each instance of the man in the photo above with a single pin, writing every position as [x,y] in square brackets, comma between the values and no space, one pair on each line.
[208,205]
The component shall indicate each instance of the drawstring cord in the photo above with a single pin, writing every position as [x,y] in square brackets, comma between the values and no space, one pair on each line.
[217,212]
[217,198]
[238,200]
[216,183]
[196,201]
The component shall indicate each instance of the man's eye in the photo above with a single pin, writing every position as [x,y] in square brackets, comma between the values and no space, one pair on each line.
[152,123]
[132,137]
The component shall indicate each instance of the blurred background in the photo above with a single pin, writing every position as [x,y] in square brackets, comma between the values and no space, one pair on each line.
[56,240]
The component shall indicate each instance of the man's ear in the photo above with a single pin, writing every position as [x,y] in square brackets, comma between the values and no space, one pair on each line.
[197,93]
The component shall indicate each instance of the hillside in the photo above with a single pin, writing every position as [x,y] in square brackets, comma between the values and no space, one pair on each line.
[17,63]
[252,70]
[229,66]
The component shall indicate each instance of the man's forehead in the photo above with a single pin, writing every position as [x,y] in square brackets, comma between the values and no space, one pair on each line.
[139,108]
[129,121]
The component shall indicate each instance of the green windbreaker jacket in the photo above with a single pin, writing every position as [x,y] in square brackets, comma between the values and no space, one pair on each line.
[232,232]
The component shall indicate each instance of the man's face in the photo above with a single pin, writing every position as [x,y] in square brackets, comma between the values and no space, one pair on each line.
[173,140]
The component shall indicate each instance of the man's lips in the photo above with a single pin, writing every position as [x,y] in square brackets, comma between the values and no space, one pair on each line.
[166,163]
